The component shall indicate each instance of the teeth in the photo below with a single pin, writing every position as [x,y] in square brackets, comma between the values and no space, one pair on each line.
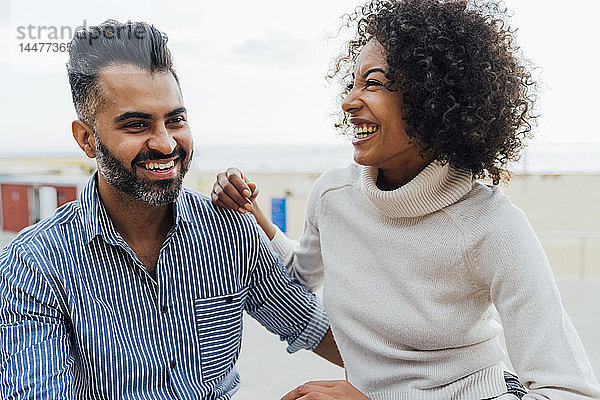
[160,167]
[364,130]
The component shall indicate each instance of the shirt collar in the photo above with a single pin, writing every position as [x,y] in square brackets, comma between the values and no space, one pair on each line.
[97,222]
[181,209]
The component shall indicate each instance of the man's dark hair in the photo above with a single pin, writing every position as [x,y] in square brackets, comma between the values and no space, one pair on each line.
[112,43]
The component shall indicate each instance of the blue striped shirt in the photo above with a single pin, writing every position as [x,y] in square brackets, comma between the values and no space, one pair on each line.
[82,318]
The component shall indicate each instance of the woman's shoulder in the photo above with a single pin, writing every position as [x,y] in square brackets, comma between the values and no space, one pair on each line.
[331,180]
[486,209]
[336,178]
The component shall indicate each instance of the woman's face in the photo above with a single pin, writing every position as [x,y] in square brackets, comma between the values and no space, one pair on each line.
[379,137]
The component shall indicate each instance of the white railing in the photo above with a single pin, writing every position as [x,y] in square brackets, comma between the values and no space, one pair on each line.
[583,240]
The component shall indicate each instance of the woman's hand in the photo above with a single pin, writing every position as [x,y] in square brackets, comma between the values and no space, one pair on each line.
[232,190]
[326,390]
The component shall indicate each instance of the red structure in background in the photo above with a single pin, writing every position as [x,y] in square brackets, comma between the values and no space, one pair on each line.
[19,198]
[65,194]
[15,207]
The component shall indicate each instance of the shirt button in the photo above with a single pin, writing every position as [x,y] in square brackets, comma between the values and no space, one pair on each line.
[163,309]
[173,364]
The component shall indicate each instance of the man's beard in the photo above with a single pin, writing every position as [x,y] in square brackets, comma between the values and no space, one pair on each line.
[159,192]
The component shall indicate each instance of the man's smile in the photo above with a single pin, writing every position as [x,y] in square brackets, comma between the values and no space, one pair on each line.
[158,165]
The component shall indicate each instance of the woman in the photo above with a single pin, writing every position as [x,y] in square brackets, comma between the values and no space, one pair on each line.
[415,253]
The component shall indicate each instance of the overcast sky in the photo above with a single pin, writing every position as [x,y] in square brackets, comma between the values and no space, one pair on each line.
[252,72]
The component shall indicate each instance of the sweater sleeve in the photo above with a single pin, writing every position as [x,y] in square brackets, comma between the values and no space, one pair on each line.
[303,258]
[542,343]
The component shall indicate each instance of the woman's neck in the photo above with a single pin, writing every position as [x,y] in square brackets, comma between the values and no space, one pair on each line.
[395,176]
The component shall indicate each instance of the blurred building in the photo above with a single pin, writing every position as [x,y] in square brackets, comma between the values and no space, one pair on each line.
[25,200]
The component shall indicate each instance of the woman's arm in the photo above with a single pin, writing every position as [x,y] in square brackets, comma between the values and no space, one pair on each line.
[542,343]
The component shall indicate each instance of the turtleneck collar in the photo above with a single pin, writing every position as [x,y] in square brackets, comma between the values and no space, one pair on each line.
[434,188]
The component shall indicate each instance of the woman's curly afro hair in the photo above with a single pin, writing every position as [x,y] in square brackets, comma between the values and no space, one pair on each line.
[467,95]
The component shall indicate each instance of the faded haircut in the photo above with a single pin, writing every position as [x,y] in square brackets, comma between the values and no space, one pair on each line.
[112,43]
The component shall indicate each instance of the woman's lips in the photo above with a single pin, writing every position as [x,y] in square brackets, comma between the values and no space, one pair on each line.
[364,131]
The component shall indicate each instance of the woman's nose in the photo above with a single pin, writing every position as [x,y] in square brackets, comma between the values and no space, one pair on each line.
[351,102]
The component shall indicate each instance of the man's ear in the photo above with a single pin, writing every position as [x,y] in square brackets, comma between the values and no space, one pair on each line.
[84,136]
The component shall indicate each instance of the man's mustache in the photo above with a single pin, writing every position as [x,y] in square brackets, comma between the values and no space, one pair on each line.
[157,155]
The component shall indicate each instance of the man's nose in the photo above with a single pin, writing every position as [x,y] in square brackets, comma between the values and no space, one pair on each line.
[162,140]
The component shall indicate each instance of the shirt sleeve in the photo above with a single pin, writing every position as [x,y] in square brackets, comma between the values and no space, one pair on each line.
[303,258]
[282,305]
[34,344]
[541,340]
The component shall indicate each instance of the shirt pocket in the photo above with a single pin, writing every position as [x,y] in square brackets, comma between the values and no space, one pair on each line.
[219,324]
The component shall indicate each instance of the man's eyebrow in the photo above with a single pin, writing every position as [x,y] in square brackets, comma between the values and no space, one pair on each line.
[132,114]
[176,111]
[373,70]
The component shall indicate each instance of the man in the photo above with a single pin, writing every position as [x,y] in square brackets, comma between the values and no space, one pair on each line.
[137,289]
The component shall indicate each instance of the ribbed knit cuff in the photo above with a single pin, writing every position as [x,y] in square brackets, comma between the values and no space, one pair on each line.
[314,332]
[283,246]
[485,384]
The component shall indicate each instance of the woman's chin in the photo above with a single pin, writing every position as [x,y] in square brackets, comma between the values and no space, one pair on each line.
[362,159]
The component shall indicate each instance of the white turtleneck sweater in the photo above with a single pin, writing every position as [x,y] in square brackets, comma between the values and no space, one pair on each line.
[410,279]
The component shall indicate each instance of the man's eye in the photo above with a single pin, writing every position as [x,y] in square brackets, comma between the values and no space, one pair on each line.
[135,125]
[176,120]
[350,86]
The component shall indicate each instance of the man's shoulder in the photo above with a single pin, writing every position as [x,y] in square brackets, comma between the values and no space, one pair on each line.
[194,198]
[199,206]
[51,226]
[47,234]
[200,210]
